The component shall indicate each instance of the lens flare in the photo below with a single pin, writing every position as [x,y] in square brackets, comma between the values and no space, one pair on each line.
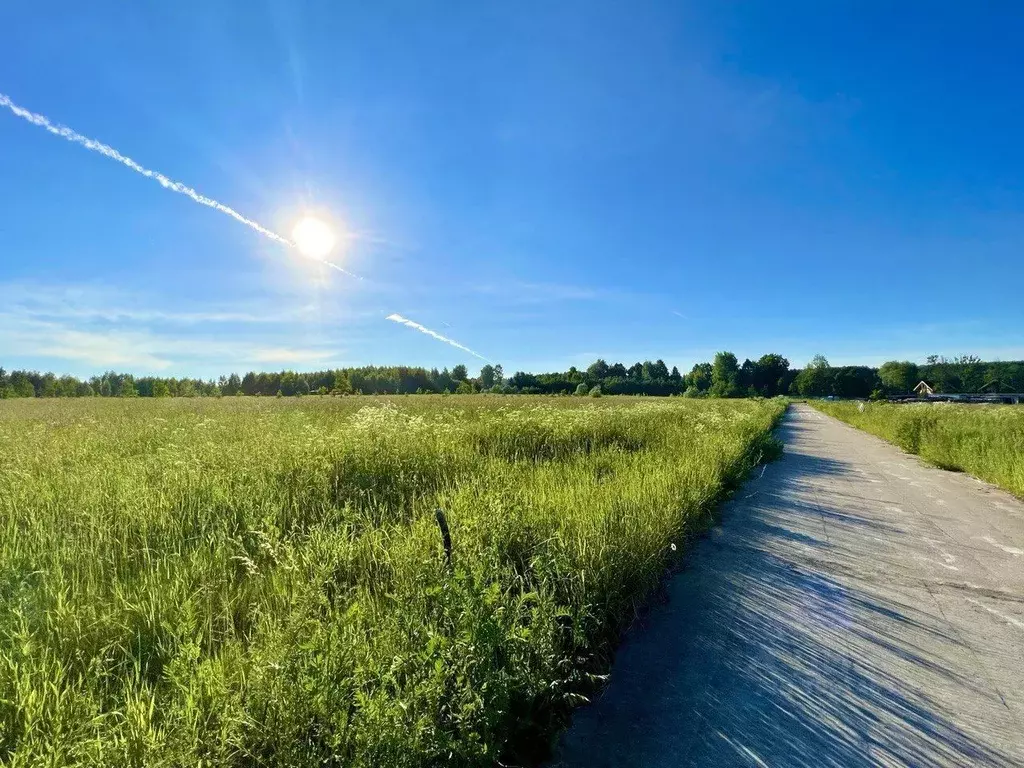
[313,238]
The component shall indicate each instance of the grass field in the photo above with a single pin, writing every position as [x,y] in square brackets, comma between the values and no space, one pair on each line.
[260,581]
[986,441]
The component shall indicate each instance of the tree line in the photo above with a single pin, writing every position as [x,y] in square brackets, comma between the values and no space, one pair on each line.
[724,376]
[374,380]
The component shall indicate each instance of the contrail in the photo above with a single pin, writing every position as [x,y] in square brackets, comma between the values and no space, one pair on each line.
[96,146]
[332,265]
[175,186]
[422,329]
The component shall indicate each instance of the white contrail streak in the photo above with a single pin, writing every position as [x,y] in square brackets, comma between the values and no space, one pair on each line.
[97,146]
[332,265]
[423,329]
[175,186]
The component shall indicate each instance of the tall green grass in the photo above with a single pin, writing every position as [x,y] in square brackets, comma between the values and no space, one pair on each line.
[986,441]
[261,582]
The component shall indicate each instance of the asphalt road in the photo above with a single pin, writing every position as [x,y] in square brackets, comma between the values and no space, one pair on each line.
[855,607]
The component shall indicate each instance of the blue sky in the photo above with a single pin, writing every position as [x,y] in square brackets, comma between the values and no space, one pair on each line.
[544,182]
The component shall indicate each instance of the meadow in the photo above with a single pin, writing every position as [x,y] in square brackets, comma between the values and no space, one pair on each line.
[262,581]
[985,440]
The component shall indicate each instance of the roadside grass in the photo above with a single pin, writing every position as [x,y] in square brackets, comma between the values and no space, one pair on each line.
[985,441]
[261,581]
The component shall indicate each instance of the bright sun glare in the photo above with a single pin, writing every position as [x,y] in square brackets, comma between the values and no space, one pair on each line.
[313,237]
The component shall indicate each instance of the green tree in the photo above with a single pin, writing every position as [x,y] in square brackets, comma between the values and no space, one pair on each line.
[127,387]
[460,373]
[582,389]
[971,371]
[20,385]
[854,381]
[943,375]
[160,388]
[49,386]
[249,385]
[443,382]
[815,380]
[899,377]
[699,377]
[289,384]
[342,384]
[769,375]
[725,376]
[746,380]
[67,386]
[465,388]
[233,385]
[597,370]
[487,376]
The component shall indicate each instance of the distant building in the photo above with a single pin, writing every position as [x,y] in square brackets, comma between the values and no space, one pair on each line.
[990,393]
[924,389]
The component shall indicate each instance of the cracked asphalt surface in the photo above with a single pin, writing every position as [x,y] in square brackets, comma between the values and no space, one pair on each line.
[854,607]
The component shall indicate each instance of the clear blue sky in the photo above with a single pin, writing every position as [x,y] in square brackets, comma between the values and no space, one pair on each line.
[546,182]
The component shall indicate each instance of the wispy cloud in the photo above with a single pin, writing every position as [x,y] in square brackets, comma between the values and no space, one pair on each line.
[86,328]
[290,355]
[520,292]
[144,350]
[86,303]
[103,350]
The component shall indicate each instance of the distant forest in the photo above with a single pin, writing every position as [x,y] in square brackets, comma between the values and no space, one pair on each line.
[724,376]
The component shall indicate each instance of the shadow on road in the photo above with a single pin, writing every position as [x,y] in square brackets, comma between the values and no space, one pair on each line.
[763,658]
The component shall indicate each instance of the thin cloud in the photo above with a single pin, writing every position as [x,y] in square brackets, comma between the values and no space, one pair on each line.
[91,328]
[92,302]
[519,292]
[290,355]
[145,351]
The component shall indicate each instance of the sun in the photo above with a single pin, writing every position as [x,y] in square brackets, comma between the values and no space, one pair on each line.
[313,237]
